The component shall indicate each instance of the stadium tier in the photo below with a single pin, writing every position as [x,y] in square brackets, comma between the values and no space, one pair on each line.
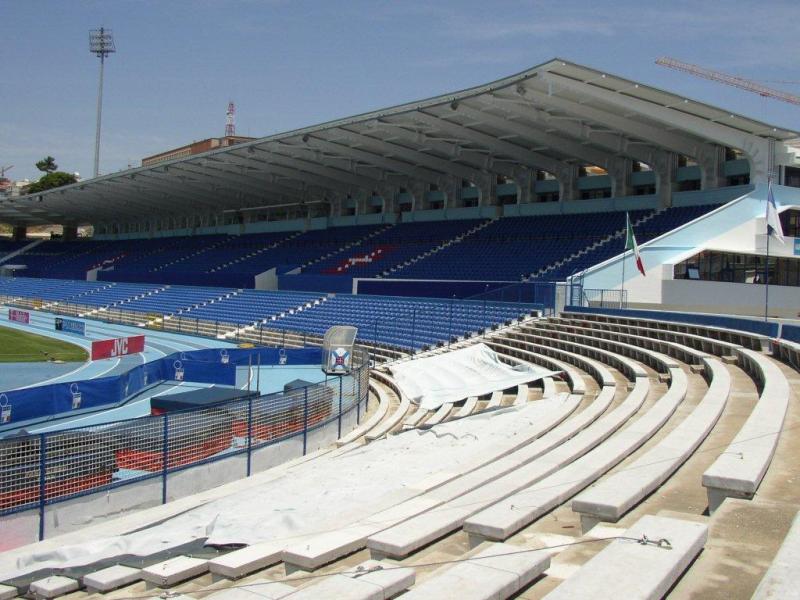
[402,323]
[503,249]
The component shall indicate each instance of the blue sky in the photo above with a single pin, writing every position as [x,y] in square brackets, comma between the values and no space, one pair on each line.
[292,63]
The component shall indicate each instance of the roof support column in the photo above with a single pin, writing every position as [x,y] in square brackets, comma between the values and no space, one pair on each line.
[452,192]
[389,196]
[711,160]
[486,186]
[20,233]
[525,185]
[70,233]
[567,183]
[620,174]
[665,167]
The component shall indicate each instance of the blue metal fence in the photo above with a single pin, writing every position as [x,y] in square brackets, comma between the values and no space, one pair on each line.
[44,469]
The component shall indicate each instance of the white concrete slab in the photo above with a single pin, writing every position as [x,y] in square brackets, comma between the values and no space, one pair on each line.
[616,495]
[469,407]
[635,571]
[495,573]
[53,586]
[174,570]
[258,589]
[740,468]
[7,592]
[246,560]
[111,578]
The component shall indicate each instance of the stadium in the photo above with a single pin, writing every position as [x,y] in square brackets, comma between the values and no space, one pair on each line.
[537,338]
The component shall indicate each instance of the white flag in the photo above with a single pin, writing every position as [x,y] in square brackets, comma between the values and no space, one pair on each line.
[773,221]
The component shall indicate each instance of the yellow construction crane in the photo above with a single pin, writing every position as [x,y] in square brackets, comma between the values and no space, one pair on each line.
[739,82]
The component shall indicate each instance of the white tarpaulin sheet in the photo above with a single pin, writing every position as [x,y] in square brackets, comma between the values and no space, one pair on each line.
[453,376]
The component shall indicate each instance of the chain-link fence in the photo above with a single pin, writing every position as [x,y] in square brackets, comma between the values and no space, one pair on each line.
[42,469]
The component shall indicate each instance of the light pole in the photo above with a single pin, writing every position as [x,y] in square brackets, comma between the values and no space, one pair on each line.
[101,44]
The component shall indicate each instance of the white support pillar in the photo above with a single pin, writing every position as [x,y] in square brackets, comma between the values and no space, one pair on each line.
[620,172]
[567,183]
[711,160]
[665,167]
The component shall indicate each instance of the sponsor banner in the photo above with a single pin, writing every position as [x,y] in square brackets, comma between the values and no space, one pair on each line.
[19,316]
[797,246]
[70,326]
[117,347]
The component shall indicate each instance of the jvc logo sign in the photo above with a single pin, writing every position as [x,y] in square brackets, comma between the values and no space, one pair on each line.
[120,347]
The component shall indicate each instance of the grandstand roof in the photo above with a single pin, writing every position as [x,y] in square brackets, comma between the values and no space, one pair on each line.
[551,117]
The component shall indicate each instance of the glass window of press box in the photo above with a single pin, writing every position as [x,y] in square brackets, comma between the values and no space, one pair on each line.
[711,265]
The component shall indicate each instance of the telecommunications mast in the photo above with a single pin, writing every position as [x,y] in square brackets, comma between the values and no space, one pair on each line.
[230,126]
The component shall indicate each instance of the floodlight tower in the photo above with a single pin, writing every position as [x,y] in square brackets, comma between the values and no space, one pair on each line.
[101,44]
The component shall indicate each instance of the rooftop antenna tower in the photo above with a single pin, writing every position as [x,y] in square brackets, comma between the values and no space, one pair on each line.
[230,126]
[101,44]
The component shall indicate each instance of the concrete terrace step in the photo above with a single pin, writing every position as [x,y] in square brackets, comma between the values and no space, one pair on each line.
[498,572]
[536,461]
[370,580]
[738,471]
[514,512]
[612,498]
[633,569]
[330,546]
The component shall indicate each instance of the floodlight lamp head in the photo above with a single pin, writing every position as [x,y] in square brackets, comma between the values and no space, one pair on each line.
[101,42]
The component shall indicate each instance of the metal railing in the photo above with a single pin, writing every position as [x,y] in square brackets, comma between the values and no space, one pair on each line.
[44,469]
[604,298]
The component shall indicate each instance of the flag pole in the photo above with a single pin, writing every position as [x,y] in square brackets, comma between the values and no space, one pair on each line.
[766,279]
[766,265]
[622,284]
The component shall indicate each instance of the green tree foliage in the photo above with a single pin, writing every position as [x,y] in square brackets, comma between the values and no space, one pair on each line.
[51,178]
[50,181]
[47,164]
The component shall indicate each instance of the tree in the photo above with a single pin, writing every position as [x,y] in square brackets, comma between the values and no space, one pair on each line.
[51,178]
[47,164]
[50,181]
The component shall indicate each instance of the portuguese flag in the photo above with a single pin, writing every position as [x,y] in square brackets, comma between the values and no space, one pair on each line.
[630,244]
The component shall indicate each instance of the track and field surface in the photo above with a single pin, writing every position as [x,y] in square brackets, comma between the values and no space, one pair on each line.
[19,346]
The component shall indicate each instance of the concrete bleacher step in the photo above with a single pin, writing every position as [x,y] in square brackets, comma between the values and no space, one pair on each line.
[535,461]
[518,510]
[258,589]
[381,412]
[111,578]
[470,404]
[522,395]
[245,561]
[495,400]
[53,586]
[370,580]
[416,418]
[738,471]
[173,571]
[643,565]
[447,486]
[497,572]
[440,415]
[613,497]
[395,418]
